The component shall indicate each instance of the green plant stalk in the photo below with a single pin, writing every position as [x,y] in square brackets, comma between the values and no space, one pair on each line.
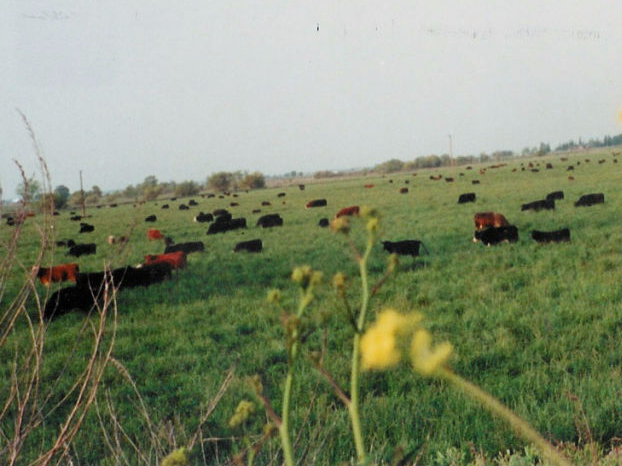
[286,444]
[496,407]
[353,407]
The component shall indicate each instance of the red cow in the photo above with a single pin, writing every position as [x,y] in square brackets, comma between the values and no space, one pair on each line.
[489,219]
[352,210]
[368,186]
[154,235]
[57,273]
[176,259]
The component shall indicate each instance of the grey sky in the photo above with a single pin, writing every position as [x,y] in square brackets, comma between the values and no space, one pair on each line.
[123,89]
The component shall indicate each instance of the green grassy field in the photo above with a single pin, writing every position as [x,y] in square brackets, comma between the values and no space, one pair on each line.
[534,325]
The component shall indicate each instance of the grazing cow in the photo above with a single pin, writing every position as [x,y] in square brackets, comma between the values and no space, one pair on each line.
[111,239]
[542,204]
[316,203]
[403,190]
[590,199]
[571,178]
[301,187]
[183,207]
[75,218]
[408,247]
[202,218]
[221,226]
[112,206]
[474,181]
[235,195]
[211,195]
[270,220]
[280,195]
[369,186]
[466,197]
[489,219]
[549,166]
[56,273]
[570,167]
[495,235]
[176,259]
[406,181]
[555,195]
[78,250]
[234,204]
[151,218]
[86,228]
[390,181]
[435,178]
[220,212]
[348,211]
[125,277]
[556,236]
[265,203]
[173,198]
[449,179]
[254,245]
[68,243]
[186,248]
[66,299]
[164,206]
[535,170]
[323,222]
[223,217]
[256,211]
[192,202]
[153,235]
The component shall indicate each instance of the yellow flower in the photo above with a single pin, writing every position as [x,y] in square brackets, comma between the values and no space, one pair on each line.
[242,412]
[425,360]
[176,458]
[341,225]
[372,225]
[339,280]
[368,212]
[274,296]
[378,345]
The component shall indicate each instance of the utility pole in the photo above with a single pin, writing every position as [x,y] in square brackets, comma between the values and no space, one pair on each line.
[82,196]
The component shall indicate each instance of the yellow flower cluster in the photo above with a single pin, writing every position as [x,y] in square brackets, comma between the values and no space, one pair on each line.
[379,344]
[176,458]
[242,412]
[305,276]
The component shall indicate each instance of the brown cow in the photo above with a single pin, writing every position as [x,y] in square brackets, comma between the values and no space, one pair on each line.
[176,259]
[57,273]
[489,219]
[352,210]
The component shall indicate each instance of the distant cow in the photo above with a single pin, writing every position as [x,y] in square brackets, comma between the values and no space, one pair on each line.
[542,204]
[348,211]
[301,187]
[86,228]
[406,247]
[256,211]
[234,204]
[254,245]
[202,218]
[495,235]
[280,195]
[151,218]
[551,236]
[78,250]
[153,235]
[221,226]
[187,248]
[68,243]
[403,190]
[177,259]
[223,217]
[270,220]
[183,207]
[466,197]
[323,222]
[369,186]
[549,166]
[590,199]
[489,219]
[265,203]
[449,179]
[316,203]
[555,195]
[220,212]
[474,181]
[164,206]
[76,218]
[57,273]
[192,202]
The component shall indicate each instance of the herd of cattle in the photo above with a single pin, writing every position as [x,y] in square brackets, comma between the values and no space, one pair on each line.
[89,288]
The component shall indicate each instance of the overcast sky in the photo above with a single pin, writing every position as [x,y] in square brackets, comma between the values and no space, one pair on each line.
[122,89]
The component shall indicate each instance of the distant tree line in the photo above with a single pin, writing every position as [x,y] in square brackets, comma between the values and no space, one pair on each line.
[607,141]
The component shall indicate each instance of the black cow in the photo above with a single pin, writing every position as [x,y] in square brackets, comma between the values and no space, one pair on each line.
[234,204]
[254,245]
[66,299]
[202,218]
[151,218]
[210,195]
[164,206]
[403,190]
[270,220]
[466,197]
[183,207]
[223,217]
[86,228]
[192,202]
[555,195]
[474,181]
[265,203]
[551,236]
[406,247]
[76,218]
[543,204]
[220,212]
[280,195]
[221,226]
[496,235]
[68,243]
[301,187]
[590,199]
[323,222]
[316,203]
[256,211]
[187,248]
[78,250]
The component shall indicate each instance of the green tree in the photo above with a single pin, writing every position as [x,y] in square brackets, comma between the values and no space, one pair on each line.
[390,166]
[96,191]
[254,180]
[61,195]
[220,181]
[29,190]
[186,188]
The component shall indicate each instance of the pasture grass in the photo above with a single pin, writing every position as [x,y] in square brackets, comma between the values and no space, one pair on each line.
[535,325]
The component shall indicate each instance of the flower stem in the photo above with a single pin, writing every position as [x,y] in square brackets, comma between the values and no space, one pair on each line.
[284,427]
[496,407]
